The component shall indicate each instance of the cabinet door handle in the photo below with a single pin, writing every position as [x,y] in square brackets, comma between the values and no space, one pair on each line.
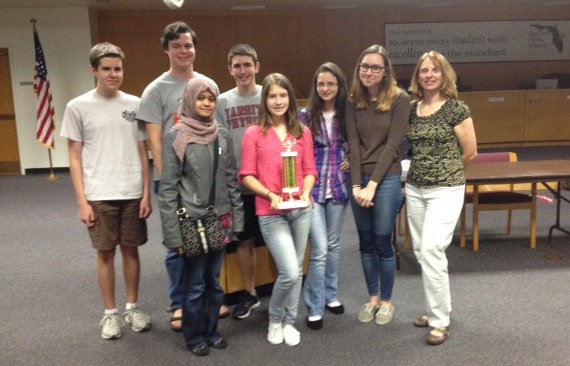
[7,117]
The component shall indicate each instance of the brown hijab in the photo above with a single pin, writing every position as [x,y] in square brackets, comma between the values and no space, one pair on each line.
[191,127]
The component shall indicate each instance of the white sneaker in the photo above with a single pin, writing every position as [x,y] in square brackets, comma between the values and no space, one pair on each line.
[291,335]
[112,325]
[138,320]
[275,333]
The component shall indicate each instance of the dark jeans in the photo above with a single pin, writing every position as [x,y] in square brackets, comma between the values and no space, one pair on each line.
[203,297]
[375,225]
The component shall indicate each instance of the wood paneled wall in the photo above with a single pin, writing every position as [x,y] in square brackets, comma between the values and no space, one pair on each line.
[520,117]
[296,43]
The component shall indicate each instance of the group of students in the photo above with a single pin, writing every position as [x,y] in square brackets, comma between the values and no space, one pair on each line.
[347,142]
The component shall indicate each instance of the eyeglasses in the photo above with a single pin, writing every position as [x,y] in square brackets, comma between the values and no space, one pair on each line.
[327,85]
[374,68]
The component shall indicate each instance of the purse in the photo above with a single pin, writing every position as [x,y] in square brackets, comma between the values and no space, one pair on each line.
[200,235]
[203,234]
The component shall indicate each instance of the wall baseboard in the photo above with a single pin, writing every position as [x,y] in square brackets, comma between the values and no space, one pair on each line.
[45,170]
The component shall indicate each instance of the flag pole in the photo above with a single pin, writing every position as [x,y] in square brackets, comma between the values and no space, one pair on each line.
[52,176]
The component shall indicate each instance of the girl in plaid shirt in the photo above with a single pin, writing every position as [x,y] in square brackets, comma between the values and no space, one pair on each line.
[325,117]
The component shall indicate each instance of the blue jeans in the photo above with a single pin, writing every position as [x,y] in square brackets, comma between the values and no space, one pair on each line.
[286,237]
[321,281]
[203,297]
[375,225]
[175,270]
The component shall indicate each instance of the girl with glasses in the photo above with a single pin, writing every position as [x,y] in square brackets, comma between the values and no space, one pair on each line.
[377,115]
[324,116]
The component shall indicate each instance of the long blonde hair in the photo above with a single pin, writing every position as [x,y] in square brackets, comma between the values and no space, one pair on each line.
[388,89]
[448,76]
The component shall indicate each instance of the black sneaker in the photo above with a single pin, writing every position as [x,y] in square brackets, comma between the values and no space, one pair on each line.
[247,303]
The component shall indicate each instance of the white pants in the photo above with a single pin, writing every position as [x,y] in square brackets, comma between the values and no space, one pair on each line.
[432,216]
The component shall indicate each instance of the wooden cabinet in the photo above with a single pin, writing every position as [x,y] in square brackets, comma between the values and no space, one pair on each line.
[9,151]
[230,277]
[498,116]
[547,115]
[265,273]
[520,117]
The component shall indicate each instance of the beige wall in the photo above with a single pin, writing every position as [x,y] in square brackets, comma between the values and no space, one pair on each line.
[65,37]
[296,43]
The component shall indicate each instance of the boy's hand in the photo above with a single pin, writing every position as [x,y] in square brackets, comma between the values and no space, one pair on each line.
[145,209]
[86,214]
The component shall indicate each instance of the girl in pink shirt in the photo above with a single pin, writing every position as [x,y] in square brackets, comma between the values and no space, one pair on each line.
[285,231]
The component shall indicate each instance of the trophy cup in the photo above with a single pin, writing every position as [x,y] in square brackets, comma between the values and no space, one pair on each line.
[290,188]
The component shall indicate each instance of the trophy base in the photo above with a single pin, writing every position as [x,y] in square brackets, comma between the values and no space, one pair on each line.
[287,205]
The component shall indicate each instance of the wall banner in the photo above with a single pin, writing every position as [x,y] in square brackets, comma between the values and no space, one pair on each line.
[535,40]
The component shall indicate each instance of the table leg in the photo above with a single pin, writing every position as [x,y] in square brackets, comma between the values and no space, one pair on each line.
[475,217]
[559,198]
[533,217]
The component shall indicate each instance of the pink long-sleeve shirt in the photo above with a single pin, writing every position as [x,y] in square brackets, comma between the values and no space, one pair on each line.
[261,158]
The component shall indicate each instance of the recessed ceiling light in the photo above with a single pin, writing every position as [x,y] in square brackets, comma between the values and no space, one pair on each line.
[434,5]
[248,7]
[558,2]
[340,7]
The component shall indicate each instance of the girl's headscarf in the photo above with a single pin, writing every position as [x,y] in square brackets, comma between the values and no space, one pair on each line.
[193,128]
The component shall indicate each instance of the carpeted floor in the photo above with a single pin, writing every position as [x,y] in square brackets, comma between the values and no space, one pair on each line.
[510,302]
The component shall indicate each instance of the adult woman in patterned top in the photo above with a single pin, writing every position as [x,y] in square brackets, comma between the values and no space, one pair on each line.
[443,143]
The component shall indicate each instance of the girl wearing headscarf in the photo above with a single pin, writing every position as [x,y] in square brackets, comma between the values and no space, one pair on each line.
[187,174]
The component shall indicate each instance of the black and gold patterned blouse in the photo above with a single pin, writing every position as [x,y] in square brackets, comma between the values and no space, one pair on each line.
[436,155]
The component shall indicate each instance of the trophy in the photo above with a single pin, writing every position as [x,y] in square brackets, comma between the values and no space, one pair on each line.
[290,188]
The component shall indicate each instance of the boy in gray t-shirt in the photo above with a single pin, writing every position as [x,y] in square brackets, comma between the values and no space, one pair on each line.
[159,105]
[112,189]
[237,109]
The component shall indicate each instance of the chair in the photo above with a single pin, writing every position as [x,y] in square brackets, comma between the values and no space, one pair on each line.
[402,227]
[496,198]
[399,231]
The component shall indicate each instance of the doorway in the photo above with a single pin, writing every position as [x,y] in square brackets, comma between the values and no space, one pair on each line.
[9,154]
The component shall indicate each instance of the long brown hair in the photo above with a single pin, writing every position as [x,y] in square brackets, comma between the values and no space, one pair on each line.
[388,89]
[294,126]
[448,76]
[315,104]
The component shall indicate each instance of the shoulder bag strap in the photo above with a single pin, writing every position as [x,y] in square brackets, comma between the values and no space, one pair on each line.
[212,198]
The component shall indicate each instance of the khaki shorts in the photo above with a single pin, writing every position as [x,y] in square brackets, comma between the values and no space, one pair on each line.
[117,223]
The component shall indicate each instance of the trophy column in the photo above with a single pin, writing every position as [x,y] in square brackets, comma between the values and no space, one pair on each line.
[290,191]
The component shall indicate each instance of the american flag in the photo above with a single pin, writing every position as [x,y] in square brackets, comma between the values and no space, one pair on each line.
[45,111]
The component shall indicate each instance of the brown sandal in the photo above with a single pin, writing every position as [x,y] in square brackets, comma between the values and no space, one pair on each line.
[437,336]
[421,322]
[224,312]
[176,318]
